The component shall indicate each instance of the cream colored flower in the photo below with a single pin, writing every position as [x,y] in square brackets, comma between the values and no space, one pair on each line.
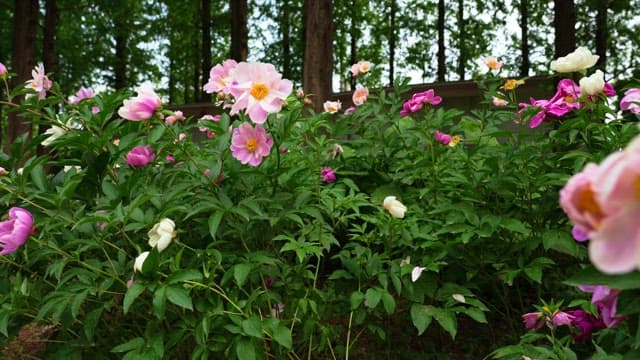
[394,207]
[592,85]
[137,264]
[580,59]
[416,273]
[161,234]
[54,132]
[332,107]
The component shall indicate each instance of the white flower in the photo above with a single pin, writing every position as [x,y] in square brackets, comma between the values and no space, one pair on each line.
[580,59]
[332,107]
[416,272]
[459,298]
[592,85]
[137,264]
[394,207]
[54,132]
[405,261]
[161,234]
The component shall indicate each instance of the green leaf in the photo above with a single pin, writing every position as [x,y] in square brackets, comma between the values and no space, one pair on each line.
[151,262]
[156,134]
[534,273]
[421,316]
[245,350]
[514,225]
[38,177]
[160,301]
[591,276]
[252,327]
[447,319]
[240,273]
[475,314]
[90,321]
[184,275]
[356,299]
[214,222]
[136,343]
[132,293]
[282,336]
[4,321]
[180,297]
[389,302]
[372,298]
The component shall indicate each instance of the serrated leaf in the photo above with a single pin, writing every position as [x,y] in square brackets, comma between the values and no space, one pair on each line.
[132,293]
[180,297]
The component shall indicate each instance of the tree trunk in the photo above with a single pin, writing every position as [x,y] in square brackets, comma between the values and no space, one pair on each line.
[49,55]
[286,42]
[602,34]
[318,52]
[564,23]
[392,39]
[197,62]
[23,60]
[206,44]
[461,46]
[239,30]
[353,35]
[120,66]
[524,40]
[442,65]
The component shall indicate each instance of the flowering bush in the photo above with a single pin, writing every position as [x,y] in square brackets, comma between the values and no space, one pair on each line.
[284,233]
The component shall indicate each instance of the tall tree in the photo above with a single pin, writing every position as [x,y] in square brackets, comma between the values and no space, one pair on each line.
[318,51]
[393,9]
[462,33]
[239,30]
[602,31]
[22,61]
[49,55]
[442,66]
[564,23]
[206,42]
[524,39]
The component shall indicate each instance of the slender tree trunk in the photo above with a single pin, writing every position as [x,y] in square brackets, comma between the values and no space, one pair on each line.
[392,39]
[442,65]
[564,22]
[120,68]
[318,52]
[23,61]
[462,55]
[206,44]
[353,38]
[197,61]
[172,81]
[602,34]
[49,55]
[286,42]
[524,40]
[239,30]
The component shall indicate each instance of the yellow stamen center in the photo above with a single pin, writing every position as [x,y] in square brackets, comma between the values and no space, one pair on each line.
[637,186]
[259,91]
[587,202]
[252,145]
[569,99]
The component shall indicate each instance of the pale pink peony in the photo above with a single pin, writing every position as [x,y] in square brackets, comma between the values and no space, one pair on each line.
[82,94]
[496,101]
[40,83]
[360,95]
[249,144]
[15,231]
[631,101]
[141,107]
[493,63]
[221,77]
[332,107]
[258,90]
[361,67]
[140,156]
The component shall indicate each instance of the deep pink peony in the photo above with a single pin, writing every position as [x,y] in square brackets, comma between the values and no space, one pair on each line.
[221,77]
[15,231]
[140,156]
[141,107]
[418,100]
[249,144]
[258,90]
[631,101]
[564,101]
[442,138]
[328,176]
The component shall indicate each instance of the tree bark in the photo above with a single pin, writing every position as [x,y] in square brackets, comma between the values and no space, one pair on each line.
[286,42]
[392,39]
[318,52]
[461,46]
[196,61]
[121,59]
[206,44]
[564,22]
[602,34]
[239,30]
[524,40]
[442,66]
[23,60]
[353,45]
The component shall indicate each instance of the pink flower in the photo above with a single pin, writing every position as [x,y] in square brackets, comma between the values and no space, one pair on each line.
[606,300]
[332,107]
[221,77]
[15,231]
[3,71]
[496,101]
[170,158]
[493,63]
[360,95]
[95,110]
[328,176]
[533,320]
[561,318]
[258,90]
[349,110]
[82,94]
[182,136]
[631,101]
[564,101]
[249,144]
[141,107]
[3,171]
[442,138]
[418,100]
[140,156]
[361,67]
[40,82]
[578,201]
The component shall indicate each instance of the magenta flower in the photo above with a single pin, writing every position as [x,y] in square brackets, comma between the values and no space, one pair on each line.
[606,300]
[40,82]
[15,231]
[249,144]
[328,176]
[564,101]
[631,101]
[221,77]
[585,323]
[3,71]
[141,107]
[442,138]
[418,100]
[258,90]
[533,320]
[561,318]
[81,95]
[140,156]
